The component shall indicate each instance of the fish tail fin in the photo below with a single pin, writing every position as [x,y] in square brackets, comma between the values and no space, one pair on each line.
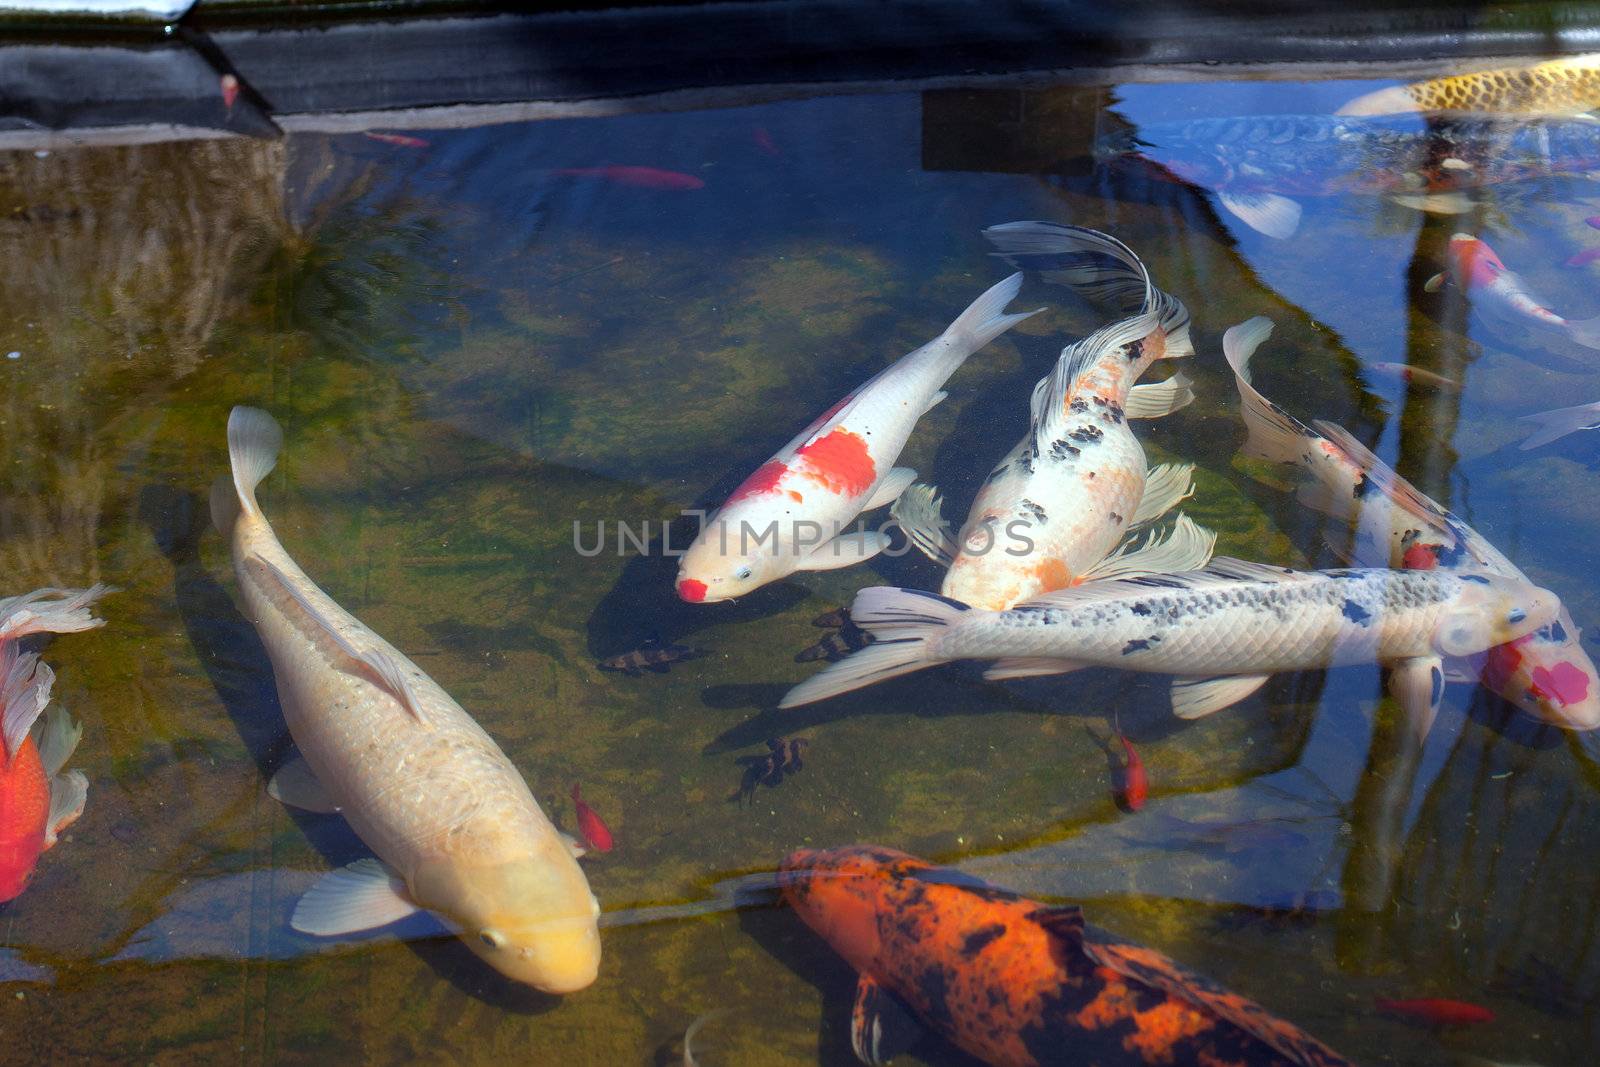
[1586,332]
[985,319]
[224,505]
[254,439]
[1275,435]
[1558,422]
[905,625]
[51,611]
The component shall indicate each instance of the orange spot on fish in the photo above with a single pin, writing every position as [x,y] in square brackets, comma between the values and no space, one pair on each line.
[230,90]
[596,834]
[840,461]
[763,480]
[796,497]
[692,589]
[1564,684]
[1051,574]
[1419,558]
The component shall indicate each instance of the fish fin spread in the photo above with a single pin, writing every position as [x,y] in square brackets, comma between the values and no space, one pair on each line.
[381,666]
[846,550]
[1435,283]
[1585,332]
[573,845]
[1029,667]
[1556,423]
[24,692]
[1382,475]
[254,438]
[1164,487]
[881,1027]
[937,399]
[1154,400]
[1064,923]
[1418,684]
[918,514]
[1195,698]
[894,483]
[1152,969]
[985,317]
[1187,547]
[57,736]
[295,785]
[1434,203]
[50,611]
[902,623]
[68,794]
[1266,213]
[361,896]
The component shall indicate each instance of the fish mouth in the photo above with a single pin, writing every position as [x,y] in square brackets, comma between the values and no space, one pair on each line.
[692,590]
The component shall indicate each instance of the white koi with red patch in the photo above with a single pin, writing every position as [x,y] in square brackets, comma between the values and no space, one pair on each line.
[1505,305]
[791,514]
[1546,673]
[1062,499]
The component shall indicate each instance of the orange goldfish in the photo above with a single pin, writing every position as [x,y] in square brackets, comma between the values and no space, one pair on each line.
[1014,982]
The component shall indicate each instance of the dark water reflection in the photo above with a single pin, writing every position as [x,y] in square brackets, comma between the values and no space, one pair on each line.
[471,350]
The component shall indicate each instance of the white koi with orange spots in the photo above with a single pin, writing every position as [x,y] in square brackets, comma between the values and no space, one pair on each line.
[791,514]
[1055,508]
[1546,673]
[1503,302]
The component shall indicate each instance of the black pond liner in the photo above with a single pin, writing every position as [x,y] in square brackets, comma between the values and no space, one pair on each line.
[130,80]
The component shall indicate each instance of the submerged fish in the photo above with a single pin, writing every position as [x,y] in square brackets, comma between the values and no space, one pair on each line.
[1134,786]
[1556,423]
[1436,1011]
[1051,514]
[789,515]
[596,834]
[654,656]
[1569,85]
[638,177]
[1257,164]
[1224,630]
[1501,300]
[1547,673]
[449,816]
[37,800]
[1414,376]
[1012,981]
[403,140]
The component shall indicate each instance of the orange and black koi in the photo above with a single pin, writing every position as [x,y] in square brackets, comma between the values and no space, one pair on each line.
[1013,982]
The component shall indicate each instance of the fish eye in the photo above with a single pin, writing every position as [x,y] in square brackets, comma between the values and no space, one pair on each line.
[492,938]
[1516,616]
[742,573]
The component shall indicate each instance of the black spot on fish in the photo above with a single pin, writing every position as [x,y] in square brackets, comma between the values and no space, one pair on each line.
[1139,607]
[1449,557]
[1078,405]
[1116,412]
[1156,582]
[1100,401]
[1341,574]
[1437,691]
[1557,631]
[1033,510]
[1115,518]
[1062,450]
[981,938]
[1478,578]
[1364,487]
[1025,461]
[1140,644]
[1135,350]
[997,473]
[1088,435]
[1355,613]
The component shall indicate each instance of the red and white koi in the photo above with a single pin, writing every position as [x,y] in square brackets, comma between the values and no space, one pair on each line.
[1502,301]
[790,514]
[1051,514]
[1547,673]
[1404,372]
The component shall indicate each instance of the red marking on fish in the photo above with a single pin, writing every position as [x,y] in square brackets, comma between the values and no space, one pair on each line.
[24,811]
[638,177]
[596,834]
[764,479]
[1501,663]
[841,462]
[692,589]
[230,90]
[1477,261]
[1436,1011]
[1564,684]
[403,140]
[1584,258]
[763,139]
[1420,558]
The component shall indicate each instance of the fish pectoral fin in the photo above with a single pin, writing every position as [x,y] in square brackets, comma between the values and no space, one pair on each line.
[846,550]
[1164,487]
[934,401]
[295,785]
[1418,684]
[894,483]
[68,794]
[1435,283]
[1268,213]
[1194,698]
[1154,400]
[362,896]
[56,736]
[1434,203]
[1064,923]
[1029,667]
[881,1027]
[920,518]
[574,846]
[1187,547]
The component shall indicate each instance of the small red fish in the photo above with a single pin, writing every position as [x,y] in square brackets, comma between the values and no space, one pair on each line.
[1584,258]
[230,90]
[1414,375]
[1436,1011]
[763,139]
[1135,786]
[400,139]
[638,177]
[596,834]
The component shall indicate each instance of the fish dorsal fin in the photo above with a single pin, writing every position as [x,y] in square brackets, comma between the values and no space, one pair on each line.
[1242,570]
[881,1026]
[1222,570]
[1381,474]
[1064,923]
[381,666]
[1150,968]
[361,896]
[24,691]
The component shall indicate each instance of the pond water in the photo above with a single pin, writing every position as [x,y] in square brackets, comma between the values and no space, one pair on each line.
[481,344]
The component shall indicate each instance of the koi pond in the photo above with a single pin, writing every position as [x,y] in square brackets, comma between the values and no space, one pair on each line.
[513,362]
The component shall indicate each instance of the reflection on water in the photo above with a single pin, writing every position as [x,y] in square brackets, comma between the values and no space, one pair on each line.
[480,340]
